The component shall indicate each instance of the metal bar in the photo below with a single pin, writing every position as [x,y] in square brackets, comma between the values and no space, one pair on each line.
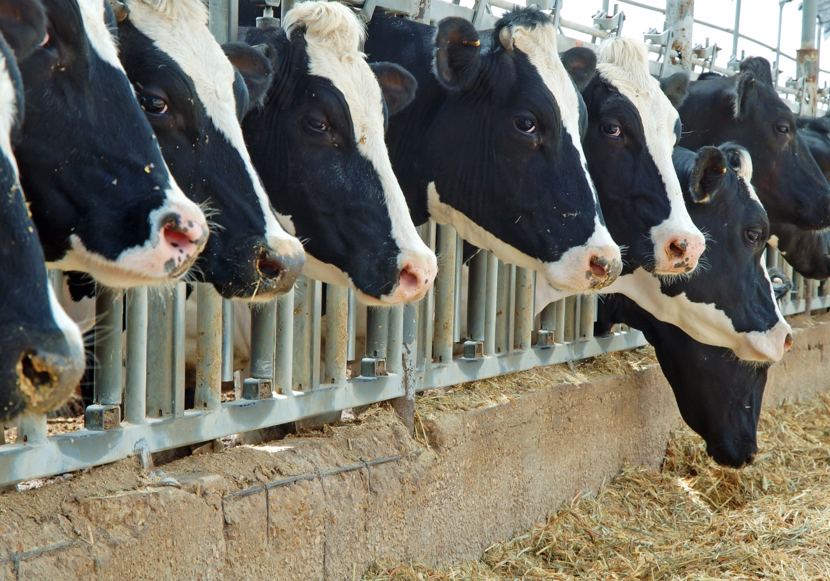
[394,353]
[284,349]
[524,309]
[491,304]
[426,310]
[263,340]
[569,326]
[736,32]
[477,289]
[587,312]
[304,299]
[32,429]
[109,309]
[377,320]
[445,291]
[638,5]
[502,306]
[209,348]
[160,354]
[179,297]
[459,266]
[337,334]
[561,307]
[227,341]
[219,20]
[135,393]
[680,18]
[352,325]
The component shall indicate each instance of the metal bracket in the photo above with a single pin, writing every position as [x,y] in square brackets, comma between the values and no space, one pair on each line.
[664,41]
[473,349]
[267,20]
[254,388]
[102,417]
[707,53]
[373,367]
[611,23]
[545,338]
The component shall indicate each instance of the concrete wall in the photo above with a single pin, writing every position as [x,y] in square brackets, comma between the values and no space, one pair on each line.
[325,507]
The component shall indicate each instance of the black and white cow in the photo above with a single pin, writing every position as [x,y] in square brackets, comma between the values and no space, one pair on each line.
[718,396]
[491,143]
[318,143]
[746,109]
[193,99]
[101,195]
[41,349]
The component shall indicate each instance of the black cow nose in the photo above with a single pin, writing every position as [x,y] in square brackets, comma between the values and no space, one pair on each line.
[750,459]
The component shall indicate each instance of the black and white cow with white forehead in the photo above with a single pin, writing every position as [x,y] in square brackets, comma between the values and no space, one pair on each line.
[101,195]
[318,143]
[193,99]
[41,350]
[491,144]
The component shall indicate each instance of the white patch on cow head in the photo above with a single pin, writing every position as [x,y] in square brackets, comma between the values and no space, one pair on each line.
[704,322]
[623,63]
[333,35]
[102,41]
[180,29]
[540,46]
[744,171]
[568,273]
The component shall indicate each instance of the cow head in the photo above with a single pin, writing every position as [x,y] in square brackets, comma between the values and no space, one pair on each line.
[101,196]
[747,110]
[191,96]
[318,144]
[633,127]
[491,144]
[41,349]
[730,303]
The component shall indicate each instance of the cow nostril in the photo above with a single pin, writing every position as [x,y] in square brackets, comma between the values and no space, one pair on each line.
[750,459]
[788,342]
[599,267]
[408,280]
[35,370]
[176,239]
[677,249]
[269,268]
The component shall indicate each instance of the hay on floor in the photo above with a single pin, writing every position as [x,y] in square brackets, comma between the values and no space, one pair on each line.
[690,520]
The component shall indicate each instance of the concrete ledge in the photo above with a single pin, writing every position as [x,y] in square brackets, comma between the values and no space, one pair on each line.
[325,507]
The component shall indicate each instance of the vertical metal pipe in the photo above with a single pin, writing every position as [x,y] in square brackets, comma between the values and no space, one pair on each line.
[179,297]
[263,342]
[109,308]
[337,334]
[426,305]
[511,308]
[284,350]
[524,308]
[477,294]
[680,18]
[352,325]
[587,310]
[208,348]
[135,394]
[502,306]
[31,429]
[569,326]
[377,320]
[807,58]
[233,20]
[561,308]
[394,353]
[736,29]
[405,405]
[444,294]
[160,353]
[547,318]
[490,305]
[459,266]
[219,20]
[775,70]
[307,306]
[227,341]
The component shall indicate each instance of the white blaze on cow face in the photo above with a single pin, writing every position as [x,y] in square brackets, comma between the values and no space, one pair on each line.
[178,229]
[574,271]
[333,36]
[623,63]
[180,29]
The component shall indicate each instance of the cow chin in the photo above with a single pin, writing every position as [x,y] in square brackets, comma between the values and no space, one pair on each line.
[765,347]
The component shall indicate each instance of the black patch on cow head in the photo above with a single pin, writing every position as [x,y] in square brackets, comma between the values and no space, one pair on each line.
[718,395]
[82,176]
[205,164]
[23,25]
[734,280]
[255,65]
[706,175]
[581,64]
[457,48]
[303,144]
[746,109]
[397,84]
[676,87]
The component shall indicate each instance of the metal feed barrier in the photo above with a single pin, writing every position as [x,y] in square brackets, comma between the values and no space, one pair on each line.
[295,373]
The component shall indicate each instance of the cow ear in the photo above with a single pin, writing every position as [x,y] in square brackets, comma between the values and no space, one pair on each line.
[255,64]
[759,68]
[455,56]
[397,84]
[581,64]
[707,174]
[753,70]
[781,283]
[23,25]
[676,87]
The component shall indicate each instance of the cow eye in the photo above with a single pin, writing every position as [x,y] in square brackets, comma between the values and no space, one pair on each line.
[152,104]
[752,235]
[525,125]
[317,125]
[783,129]
[611,129]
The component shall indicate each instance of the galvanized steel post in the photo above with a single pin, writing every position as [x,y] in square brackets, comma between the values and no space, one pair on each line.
[736,29]
[31,429]
[179,322]
[337,334]
[775,70]
[502,307]
[404,406]
[394,352]
[307,307]
[680,18]
[807,63]
[208,394]
[426,304]
[490,305]
[374,364]
[284,351]
[263,342]
[524,308]
[135,393]
[445,291]
[105,414]
[160,353]
[227,343]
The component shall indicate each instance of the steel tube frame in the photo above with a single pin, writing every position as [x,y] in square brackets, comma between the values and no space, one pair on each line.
[209,346]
